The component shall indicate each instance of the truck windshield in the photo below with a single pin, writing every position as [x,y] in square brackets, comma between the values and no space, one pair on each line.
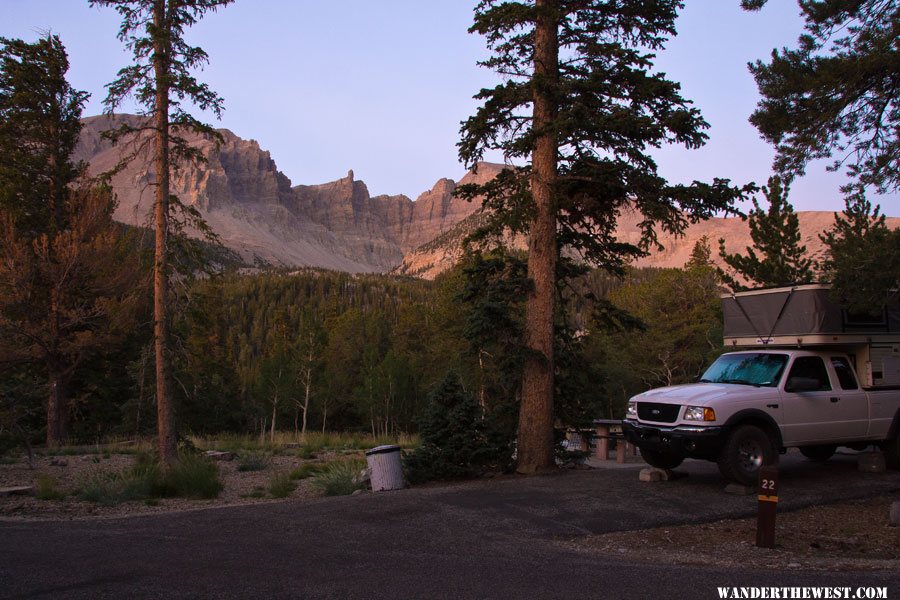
[747,369]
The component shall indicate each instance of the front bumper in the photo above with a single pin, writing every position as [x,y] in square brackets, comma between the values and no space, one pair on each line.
[686,440]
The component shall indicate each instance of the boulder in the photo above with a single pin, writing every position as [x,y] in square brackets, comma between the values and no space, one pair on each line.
[23,490]
[654,474]
[218,455]
[364,476]
[651,475]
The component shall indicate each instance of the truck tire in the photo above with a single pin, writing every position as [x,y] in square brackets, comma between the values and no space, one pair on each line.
[747,449]
[891,450]
[818,453]
[662,460]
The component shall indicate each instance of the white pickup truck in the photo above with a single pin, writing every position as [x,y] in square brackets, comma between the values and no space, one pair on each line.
[751,406]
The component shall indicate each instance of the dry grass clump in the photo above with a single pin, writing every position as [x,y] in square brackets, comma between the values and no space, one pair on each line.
[340,478]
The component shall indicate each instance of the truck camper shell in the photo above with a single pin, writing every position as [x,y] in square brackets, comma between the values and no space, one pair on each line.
[805,316]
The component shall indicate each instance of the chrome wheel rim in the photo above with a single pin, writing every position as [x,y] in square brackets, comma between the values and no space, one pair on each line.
[750,456]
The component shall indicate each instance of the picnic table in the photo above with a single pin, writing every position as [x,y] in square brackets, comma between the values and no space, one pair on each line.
[606,430]
[599,436]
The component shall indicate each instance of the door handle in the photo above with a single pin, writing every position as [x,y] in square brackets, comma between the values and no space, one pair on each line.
[834,399]
[771,406]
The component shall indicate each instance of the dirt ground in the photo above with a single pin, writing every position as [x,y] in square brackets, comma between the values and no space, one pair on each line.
[67,472]
[848,536]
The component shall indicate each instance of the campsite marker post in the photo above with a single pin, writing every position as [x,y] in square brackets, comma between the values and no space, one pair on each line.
[768,502]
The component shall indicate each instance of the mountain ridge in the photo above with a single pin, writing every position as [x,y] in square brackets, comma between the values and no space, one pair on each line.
[259,213]
[431,259]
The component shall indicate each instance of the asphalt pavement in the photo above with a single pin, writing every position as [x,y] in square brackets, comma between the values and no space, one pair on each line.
[494,538]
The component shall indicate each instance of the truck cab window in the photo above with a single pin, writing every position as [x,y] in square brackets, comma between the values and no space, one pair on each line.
[810,370]
[747,368]
[844,373]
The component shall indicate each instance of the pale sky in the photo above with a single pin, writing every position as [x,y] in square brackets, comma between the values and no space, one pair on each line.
[381,87]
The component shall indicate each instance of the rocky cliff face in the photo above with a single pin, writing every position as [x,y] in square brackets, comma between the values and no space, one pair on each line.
[437,212]
[345,207]
[257,212]
[338,225]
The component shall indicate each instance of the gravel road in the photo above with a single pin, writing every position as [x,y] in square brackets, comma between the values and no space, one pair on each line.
[486,539]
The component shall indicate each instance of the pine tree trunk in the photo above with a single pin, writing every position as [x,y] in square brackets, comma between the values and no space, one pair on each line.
[274,414]
[56,162]
[165,411]
[535,441]
[481,381]
[140,404]
[307,385]
[57,411]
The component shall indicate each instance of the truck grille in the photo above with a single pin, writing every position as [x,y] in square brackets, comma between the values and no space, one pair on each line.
[658,413]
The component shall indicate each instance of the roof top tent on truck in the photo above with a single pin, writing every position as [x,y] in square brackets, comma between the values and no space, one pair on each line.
[805,316]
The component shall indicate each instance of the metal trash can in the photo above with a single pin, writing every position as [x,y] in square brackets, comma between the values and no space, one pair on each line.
[384,464]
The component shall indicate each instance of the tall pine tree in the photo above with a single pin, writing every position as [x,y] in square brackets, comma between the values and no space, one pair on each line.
[39,126]
[777,258]
[161,79]
[580,108]
[62,282]
[863,257]
[836,94]
[701,255]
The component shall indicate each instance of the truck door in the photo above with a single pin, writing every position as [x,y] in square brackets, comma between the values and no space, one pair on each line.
[849,403]
[807,399]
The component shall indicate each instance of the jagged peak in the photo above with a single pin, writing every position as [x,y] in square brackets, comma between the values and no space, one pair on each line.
[444,184]
[392,198]
[483,172]
[491,166]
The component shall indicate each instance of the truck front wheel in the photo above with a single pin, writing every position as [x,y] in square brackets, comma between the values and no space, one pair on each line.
[747,449]
[662,460]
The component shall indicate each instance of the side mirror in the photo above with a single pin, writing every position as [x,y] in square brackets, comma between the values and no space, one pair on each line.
[802,384]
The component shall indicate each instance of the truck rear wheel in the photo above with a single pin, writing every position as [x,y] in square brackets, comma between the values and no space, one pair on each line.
[818,453]
[662,460]
[891,450]
[748,448]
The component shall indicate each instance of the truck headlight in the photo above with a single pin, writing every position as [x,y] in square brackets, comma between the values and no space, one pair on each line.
[699,413]
[631,411]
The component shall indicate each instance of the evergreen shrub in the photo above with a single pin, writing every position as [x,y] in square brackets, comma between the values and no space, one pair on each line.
[457,442]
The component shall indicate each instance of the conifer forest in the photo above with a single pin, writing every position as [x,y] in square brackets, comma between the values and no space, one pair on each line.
[110,330]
